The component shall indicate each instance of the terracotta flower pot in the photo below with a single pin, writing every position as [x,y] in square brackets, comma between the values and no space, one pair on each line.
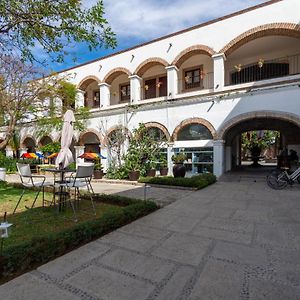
[98,174]
[163,171]
[179,170]
[134,175]
[151,173]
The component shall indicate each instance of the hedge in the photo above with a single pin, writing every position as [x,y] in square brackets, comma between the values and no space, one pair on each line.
[199,181]
[23,257]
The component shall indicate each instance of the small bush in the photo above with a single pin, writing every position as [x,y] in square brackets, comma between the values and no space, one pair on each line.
[199,181]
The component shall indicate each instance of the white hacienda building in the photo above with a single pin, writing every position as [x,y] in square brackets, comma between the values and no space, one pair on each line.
[200,87]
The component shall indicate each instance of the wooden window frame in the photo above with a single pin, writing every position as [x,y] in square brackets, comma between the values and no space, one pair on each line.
[156,77]
[190,69]
[120,92]
[96,103]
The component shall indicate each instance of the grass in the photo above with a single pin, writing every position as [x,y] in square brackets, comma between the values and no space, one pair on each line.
[40,221]
[41,234]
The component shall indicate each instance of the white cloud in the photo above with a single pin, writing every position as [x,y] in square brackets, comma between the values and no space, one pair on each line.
[148,19]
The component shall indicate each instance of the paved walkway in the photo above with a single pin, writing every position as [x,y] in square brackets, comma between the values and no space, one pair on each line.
[237,239]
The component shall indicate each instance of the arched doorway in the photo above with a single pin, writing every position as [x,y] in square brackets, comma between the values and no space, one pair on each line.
[259,123]
[91,142]
[29,144]
[45,140]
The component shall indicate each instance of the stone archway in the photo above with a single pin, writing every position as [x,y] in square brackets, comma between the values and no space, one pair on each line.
[161,127]
[114,73]
[149,63]
[190,51]
[200,121]
[279,29]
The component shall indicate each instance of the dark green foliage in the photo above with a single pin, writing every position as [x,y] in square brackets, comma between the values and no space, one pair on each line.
[40,249]
[198,181]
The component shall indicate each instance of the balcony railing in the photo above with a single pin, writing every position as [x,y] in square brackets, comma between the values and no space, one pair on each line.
[205,82]
[265,69]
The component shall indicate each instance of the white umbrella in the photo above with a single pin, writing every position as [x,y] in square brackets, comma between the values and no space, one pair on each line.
[65,156]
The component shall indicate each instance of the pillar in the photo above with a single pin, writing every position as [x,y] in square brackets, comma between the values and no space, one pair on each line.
[104,94]
[104,161]
[79,101]
[9,151]
[78,151]
[170,153]
[219,160]
[135,88]
[219,71]
[228,158]
[172,77]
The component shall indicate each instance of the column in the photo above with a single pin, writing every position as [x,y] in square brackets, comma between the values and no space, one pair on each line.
[9,151]
[135,88]
[219,71]
[170,153]
[104,94]
[79,101]
[172,76]
[78,151]
[228,157]
[219,157]
[104,161]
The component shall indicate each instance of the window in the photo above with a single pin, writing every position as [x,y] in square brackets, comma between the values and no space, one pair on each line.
[96,99]
[257,72]
[157,134]
[193,78]
[194,132]
[125,92]
[156,87]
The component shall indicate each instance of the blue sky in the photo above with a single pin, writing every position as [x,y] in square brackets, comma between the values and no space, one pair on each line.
[138,21]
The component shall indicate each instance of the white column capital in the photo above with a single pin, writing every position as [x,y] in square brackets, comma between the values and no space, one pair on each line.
[219,55]
[173,67]
[104,84]
[80,91]
[218,142]
[135,76]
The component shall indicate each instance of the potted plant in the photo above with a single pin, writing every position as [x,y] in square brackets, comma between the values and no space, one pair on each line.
[179,169]
[133,164]
[163,166]
[151,171]
[98,170]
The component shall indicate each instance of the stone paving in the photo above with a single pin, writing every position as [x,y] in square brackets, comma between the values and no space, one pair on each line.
[237,239]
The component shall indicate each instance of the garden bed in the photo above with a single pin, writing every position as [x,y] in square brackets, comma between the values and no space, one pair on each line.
[196,182]
[40,235]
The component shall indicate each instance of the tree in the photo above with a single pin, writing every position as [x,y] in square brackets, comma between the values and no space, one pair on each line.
[53,25]
[23,99]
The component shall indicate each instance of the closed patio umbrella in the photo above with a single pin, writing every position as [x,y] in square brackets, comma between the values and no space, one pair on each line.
[65,156]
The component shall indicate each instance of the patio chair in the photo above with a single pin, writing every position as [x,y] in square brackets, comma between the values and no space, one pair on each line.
[82,179]
[31,181]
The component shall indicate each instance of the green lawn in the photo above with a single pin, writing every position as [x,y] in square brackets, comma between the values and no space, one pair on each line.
[36,222]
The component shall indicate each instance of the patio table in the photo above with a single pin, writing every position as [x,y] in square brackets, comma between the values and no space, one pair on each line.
[61,193]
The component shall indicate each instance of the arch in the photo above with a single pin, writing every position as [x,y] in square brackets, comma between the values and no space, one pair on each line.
[74,138]
[282,29]
[292,118]
[149,63]
[114,73]
[40,142]
[89,130]
[200,121]
[82,85]
[159,126]
[190,51]
[112,129]
[28,136]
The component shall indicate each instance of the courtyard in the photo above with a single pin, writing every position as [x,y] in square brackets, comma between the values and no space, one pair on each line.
[237,239]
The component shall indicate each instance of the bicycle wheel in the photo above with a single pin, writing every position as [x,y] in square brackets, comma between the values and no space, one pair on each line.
[276,182]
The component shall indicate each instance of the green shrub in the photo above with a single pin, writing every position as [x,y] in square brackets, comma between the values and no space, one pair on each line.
[41,249]
[199,181]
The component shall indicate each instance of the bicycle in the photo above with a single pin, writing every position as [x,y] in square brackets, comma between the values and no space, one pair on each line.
[279,180]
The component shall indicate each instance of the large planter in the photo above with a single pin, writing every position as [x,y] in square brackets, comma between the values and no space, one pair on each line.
[2,174]
[98,174]
[151,173]
[163,171]
[134,175]
[179,170]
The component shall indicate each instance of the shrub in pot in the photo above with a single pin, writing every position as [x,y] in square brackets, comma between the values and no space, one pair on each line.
[163,166]
[179,169]
[151,171]
[98,170]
